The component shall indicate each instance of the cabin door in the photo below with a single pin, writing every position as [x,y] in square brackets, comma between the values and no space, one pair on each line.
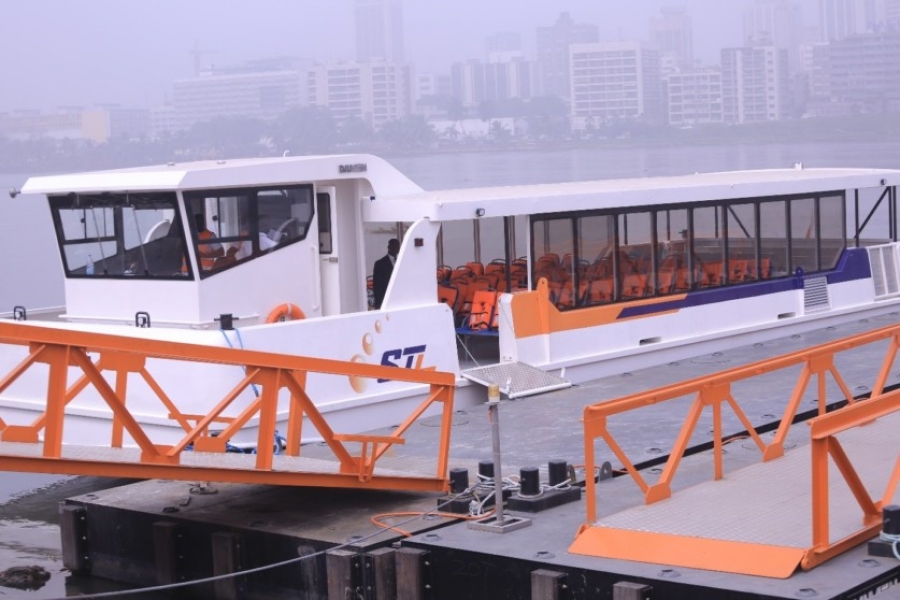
[328,251]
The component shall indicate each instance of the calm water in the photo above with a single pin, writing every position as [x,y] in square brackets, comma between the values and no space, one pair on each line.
[30,275]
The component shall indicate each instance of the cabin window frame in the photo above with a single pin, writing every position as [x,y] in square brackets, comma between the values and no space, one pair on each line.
[725,219]
[889,194]
[252,193]
[117,202]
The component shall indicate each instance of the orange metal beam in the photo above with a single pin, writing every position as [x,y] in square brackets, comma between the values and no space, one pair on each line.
[696,553]
[63,349]
[16,333]
[249,476]
[715,389]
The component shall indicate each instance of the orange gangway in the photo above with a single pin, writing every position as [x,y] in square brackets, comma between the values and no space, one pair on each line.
[199,455]
[797,511]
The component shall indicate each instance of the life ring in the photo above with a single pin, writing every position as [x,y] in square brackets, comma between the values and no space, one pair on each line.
[285,312]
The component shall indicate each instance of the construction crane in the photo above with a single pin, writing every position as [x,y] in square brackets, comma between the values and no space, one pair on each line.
[197,55]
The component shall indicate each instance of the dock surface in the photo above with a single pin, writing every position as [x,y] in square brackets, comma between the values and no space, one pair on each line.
[277,523]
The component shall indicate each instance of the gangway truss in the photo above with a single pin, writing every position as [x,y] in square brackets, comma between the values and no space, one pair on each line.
[200,454]
[795,509]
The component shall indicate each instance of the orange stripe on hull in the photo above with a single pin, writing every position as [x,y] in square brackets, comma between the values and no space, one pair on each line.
[534,314]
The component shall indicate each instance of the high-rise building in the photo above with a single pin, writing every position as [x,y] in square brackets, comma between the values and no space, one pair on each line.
[694,97]
[839,19]
[553,52]
[672,33]
[431,84]
[474,81]
[615,80]
[755,84]
[379,30]
[777,23]
[892,14]
[864,73]
[375,92]
[258,95]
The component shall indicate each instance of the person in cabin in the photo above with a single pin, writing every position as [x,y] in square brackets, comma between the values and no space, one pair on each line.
[381,274]
[208,251]
[244,249]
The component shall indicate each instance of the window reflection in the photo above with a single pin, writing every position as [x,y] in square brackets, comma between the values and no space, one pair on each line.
[592,259]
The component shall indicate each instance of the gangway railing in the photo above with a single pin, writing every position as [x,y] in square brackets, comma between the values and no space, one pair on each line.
[717,390]
[64,349]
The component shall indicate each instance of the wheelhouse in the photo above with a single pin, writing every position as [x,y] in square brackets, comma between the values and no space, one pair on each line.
[142,235]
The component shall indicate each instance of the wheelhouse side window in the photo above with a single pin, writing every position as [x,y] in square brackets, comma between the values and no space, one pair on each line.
[119,235]
[220,229]
[232,226]
[323,210]
[285,215]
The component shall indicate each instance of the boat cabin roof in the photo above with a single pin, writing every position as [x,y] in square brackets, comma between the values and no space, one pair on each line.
[448,205]
[396,198]
[211,174]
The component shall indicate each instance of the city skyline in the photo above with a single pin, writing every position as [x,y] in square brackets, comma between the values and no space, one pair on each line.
[115,62]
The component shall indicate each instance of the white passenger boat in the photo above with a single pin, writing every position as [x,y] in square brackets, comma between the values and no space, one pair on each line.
[543,285]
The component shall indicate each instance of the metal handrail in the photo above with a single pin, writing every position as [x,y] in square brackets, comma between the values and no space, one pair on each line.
[714,390]
[62,349]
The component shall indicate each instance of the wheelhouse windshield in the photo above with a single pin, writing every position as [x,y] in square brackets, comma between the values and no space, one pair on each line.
[120,235]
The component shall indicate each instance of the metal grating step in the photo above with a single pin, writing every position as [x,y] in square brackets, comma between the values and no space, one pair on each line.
[516,379]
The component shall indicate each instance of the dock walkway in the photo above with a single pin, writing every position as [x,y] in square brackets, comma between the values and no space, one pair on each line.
[466,563]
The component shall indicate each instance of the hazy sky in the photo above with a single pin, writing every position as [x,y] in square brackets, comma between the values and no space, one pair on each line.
[82,52]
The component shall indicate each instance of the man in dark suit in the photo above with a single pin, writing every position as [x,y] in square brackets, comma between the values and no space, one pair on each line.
[381,274]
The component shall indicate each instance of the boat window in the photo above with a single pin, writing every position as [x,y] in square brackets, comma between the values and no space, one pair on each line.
[873,216]
[232,226]
[635,265]
[286,214]
[672,271]
[709,245]
[491,245]
[773,239]
[119,235]
[804,244]
[663,250]
[552,246]
[323,210]
[742,260]
[458,248]
[831,230]
[596,246]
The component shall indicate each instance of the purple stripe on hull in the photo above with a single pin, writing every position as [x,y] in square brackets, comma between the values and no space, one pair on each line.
[853,265]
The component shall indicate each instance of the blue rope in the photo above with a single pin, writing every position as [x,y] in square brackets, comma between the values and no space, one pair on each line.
[241,342]
[280,442]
